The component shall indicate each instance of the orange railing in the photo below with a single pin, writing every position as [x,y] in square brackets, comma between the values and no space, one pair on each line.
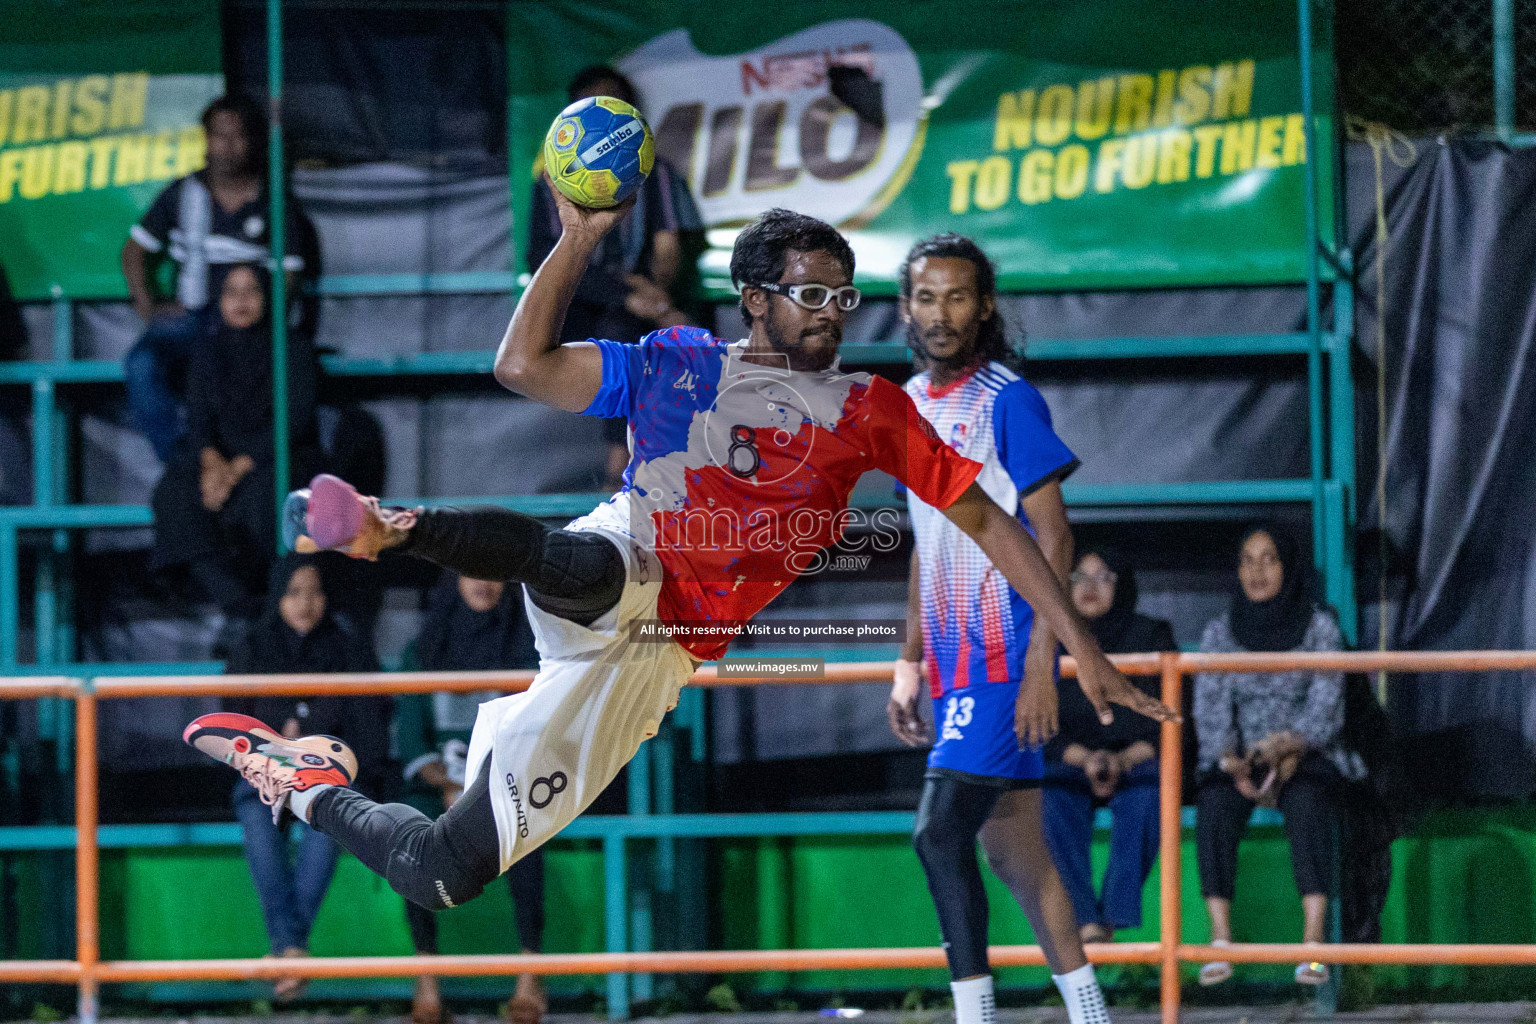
[87,971]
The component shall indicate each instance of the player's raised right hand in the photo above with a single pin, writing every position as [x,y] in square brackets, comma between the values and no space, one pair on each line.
[583,222]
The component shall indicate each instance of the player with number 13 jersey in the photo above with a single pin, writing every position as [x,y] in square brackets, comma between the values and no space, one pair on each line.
[975,627]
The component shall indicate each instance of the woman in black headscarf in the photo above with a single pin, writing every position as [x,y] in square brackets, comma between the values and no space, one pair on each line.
[215,506]
[296,634]
[1088,763]
[1270,737]
[471,626]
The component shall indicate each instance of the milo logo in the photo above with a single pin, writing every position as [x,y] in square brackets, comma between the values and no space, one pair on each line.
[763,128]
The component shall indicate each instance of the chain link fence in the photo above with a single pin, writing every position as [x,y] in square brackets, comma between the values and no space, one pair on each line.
[1525,65]
[1427,66]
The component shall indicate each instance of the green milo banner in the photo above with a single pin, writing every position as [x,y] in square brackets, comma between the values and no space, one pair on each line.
[99,105]
[1120,143]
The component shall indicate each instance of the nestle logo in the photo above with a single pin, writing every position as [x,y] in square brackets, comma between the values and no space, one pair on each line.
[787,72]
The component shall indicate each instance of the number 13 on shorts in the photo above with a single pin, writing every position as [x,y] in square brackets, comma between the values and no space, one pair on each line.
[957,715]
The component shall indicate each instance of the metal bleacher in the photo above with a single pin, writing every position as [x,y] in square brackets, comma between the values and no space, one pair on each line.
[1329,488]
[53,515]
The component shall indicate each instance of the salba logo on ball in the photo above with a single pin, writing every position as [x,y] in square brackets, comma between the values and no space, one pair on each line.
[762,128]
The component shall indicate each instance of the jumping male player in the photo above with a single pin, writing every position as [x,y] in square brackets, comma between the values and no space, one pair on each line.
[736,447]
[977,638]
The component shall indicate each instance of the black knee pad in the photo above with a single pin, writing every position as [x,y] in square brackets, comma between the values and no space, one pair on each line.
[432,882]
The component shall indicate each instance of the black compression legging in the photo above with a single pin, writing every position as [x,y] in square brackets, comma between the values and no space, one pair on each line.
[950,816]
[525,881]
[577,576]
[434,864]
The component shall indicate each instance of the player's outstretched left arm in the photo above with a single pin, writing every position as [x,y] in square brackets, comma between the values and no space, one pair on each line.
[1018,558]
[531,360]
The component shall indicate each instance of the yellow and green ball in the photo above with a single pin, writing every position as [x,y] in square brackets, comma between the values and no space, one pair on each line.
[599,151]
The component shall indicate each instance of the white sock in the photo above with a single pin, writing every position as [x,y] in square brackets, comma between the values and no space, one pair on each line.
[299,803]
[974,1002]
[1085,1000]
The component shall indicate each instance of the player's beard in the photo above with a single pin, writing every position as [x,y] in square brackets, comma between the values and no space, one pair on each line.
[801,357]
[962,358]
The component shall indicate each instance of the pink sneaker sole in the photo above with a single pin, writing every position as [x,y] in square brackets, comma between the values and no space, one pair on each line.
[335,515]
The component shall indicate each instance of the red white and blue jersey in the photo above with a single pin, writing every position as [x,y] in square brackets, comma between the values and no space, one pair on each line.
[975,626]
[740,473]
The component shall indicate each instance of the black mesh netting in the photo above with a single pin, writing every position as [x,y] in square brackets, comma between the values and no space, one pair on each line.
[1426,66]
[1420,66]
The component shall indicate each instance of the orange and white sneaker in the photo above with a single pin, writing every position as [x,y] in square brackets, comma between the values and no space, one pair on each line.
[329,515]
[275,765]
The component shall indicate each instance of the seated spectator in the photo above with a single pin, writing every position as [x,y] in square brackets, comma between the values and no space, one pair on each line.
[215,506]
[640,271]
[1270,738]
[204,223]
[471,626]
[297,634]
[1088,763]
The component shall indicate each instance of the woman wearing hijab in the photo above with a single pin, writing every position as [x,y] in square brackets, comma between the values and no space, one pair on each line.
[1270,738]
[471,626]
[1088,763]
[296,634]
[215,506]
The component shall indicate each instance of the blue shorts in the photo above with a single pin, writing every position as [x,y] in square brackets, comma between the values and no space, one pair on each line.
[976,738]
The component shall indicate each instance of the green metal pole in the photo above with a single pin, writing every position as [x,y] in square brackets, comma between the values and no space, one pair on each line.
[663,879]
[278,217]
[49,474]
[521,186]
[1504,68]
[10,602]
[44,491]
[615,920]
[1341,439]
[43,464]
[641,892]
[1314,270]
[520,183]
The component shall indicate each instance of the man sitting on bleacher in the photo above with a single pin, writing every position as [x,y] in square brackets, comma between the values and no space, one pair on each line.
[204,223]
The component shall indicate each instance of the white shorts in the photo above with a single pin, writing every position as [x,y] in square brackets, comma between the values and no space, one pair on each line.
[596,698]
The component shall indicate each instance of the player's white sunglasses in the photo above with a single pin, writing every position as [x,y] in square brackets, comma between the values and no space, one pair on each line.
[815,296]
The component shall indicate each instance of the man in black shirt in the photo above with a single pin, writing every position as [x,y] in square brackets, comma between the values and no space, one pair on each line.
[204,223]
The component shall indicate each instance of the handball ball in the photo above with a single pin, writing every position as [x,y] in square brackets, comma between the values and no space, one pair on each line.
[598,151]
